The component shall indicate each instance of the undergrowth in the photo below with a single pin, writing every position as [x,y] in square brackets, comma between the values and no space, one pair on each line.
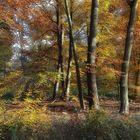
[30,123]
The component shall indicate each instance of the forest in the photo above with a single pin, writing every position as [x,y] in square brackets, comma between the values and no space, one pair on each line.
[69,70]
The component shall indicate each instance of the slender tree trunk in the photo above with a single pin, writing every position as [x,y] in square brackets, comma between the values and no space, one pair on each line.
[74,55]
[118,87]
[137,80]
[124,106]
[68,76]
[61,59]
[60,35]
[57,83]
[91,58]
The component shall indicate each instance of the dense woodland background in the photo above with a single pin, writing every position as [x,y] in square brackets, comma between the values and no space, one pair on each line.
[73,59]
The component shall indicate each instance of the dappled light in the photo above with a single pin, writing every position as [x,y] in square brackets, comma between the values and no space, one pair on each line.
[69,70]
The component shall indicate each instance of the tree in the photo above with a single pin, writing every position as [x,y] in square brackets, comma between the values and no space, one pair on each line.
[124,106]
[91,57]
[68,76]
[5,46]
[74,54]
[60,39]
[137,76]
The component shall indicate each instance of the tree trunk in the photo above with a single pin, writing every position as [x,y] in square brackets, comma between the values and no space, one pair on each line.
[91,58]
[60,35]
[57,83]
[68,76]
[74,55]
[124,106]
[137,81]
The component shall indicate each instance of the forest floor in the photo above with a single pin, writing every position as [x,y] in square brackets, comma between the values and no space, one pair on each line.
[65,121]
[61,108]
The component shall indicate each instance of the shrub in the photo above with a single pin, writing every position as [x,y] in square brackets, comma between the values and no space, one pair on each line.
[97,125]
[9,95]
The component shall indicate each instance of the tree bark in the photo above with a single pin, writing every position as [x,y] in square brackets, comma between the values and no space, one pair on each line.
[74,55]
[137,80]
[60,35]
[68,76]
[91,58]
[124,106]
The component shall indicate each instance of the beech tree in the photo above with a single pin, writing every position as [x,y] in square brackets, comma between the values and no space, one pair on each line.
[124,106]
[68,76]
[79,84]
[137,76]
[91,57]
[60,41]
